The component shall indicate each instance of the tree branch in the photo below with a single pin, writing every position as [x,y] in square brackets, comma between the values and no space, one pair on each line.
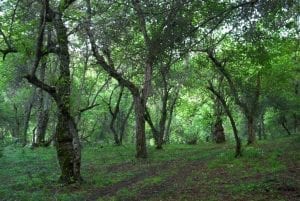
[220,67]
[88,108]
[142,20]
[38,83]
[101,61]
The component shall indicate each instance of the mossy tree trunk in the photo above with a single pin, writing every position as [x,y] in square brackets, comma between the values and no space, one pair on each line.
[66,136]
[68,145]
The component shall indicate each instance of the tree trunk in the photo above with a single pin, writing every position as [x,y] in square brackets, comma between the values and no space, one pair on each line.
[139,108]
[218,133]
[114,114]
[68,145]
[16,126]
[238,147]
[261,127]
[171,110]
[163,118]
[67,139]
[124,123]
[283,124]
[154,130]
[44,110]
[250,130]
[42,125]
[27,115]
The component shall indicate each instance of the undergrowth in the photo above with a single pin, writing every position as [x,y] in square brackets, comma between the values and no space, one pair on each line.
[27,174]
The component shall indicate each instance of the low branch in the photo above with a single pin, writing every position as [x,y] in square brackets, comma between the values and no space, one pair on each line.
[38,83]
[221,68]
[101,61]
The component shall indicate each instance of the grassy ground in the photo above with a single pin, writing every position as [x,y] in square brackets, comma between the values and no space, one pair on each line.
[267,171]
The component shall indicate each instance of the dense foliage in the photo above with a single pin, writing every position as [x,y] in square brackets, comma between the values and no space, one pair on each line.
[78,73]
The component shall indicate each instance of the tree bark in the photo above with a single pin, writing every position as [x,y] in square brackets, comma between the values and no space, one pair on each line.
[67,139]
[68,145]
[218,133]
[139,108]
[251,130]
[43,118]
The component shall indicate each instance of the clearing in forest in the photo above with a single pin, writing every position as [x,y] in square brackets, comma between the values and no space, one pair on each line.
[267,171]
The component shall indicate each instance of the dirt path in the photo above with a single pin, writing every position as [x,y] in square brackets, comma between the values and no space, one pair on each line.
[166,186]
[139,176]
[182,172]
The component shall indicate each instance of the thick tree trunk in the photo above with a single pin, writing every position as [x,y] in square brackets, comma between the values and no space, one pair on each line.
[250,130]
[218,133]
[67,139]
[64,149]
[68,145]
[139,108]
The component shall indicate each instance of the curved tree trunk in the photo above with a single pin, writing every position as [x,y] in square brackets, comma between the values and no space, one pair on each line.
[67,139]
[238,147]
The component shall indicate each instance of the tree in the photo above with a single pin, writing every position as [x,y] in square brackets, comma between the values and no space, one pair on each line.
[155,39]
[68,145]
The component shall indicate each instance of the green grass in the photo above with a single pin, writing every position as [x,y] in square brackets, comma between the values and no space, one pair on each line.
[208,171]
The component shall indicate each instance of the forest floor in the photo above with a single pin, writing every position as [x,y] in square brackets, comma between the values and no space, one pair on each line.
[269,170]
